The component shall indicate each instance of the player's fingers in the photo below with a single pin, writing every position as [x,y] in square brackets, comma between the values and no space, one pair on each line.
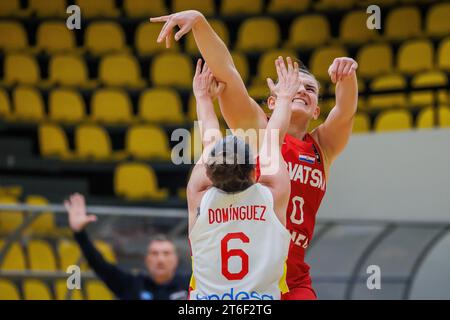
[278,68]
[198,67]
[271,85]
[205,67]
[160,19]
[290,66]
[169,38]
[347,69]
[168,26]
[92,218]
[283,67]
[220,87]
[340,69]
[185,29]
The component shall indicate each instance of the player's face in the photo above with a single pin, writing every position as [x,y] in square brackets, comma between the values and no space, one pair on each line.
[161,260]
[305,102]
[306,99]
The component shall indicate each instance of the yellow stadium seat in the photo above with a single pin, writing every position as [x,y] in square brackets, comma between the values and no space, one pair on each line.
[266,64]
[428,79]
[12,36]
[192,109]
[103,37]
[136,181]
[317,35]
[361,123]
[238,7]
[28,104]
[69,70]
[393,120]
[41,257]
[380,3]
[144,8]
[287,6]
[111,106]
[240,61]
[353,28]
[322,58]
[8,290]
[69,253]
[403,23]
[414,56]
[11,190]
[44,224]
[387,100]
[14,258]
[120,69]
[172,69]
[61,291]
[334,4]
[93,142]
[53,141]
[160,105]
[147,142]
[53,36]
[45,8]
[96,290]
[106,251]
[35,290]
[98,8]
[9,220]
[219,27]
[375,59]
[66,105]
[257,34]
[443,56]
[204,6]
[9,8]
[145,40]
[20,68]
[5,106]
[437,21]
[425,119]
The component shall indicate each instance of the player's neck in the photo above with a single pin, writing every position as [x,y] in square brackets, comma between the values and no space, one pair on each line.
[298,127]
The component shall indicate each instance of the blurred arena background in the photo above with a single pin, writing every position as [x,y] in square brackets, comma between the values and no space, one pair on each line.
[92,111]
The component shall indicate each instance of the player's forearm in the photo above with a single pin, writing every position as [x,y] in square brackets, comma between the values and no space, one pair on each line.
[281,117]
[213,50]
[209,124]
[347,96]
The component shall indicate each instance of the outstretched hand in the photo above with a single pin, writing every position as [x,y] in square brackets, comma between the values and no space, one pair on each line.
[204,83]
[288,79]
[76,208]
[185,20]
[341,68]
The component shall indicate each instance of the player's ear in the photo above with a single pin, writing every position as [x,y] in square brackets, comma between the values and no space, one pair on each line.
[271,102]
[316,113]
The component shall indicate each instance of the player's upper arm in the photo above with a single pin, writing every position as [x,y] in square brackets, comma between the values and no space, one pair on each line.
[280,187]
[334,133]
[239,110]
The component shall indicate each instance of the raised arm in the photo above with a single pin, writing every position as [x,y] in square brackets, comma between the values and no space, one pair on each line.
[335,132]
[273,169]
[238,108]
[205,88]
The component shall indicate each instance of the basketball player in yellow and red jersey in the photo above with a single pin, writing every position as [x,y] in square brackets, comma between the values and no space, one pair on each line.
[308,155]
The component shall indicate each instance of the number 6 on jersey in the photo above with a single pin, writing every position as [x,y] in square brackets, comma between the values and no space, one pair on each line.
[227,254]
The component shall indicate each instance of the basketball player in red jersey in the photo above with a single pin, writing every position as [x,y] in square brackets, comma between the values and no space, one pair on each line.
[308,155]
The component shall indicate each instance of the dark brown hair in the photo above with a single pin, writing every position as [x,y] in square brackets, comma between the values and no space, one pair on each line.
[230,167]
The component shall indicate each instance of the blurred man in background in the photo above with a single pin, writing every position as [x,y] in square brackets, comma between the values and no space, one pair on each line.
[161,283]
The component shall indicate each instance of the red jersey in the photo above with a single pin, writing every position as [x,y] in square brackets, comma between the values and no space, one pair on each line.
[308,184]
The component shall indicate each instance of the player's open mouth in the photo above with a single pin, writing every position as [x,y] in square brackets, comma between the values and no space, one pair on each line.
[298,100]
